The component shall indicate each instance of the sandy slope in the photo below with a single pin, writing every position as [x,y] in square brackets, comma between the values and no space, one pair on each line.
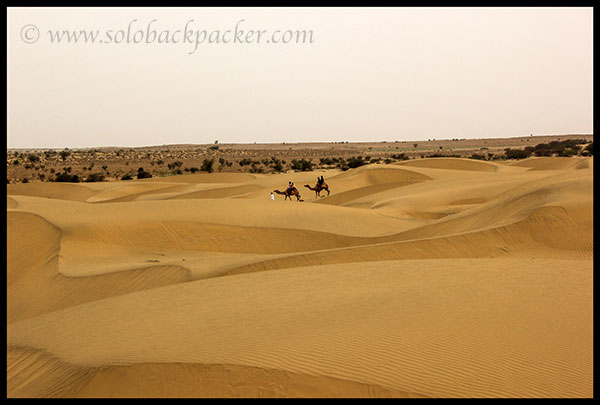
[433,278]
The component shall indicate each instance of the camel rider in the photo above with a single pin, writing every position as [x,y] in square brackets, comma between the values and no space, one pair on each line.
[320,181]
[290,186]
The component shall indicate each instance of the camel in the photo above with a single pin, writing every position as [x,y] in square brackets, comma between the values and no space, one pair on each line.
[318,188]
[286,193]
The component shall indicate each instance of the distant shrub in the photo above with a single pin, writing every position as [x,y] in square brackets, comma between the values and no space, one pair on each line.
[93,177]
[589,149]
[302,165]
[436,155]
[32,157]
[64,154]
[25,181]
[567,147]
[127,177]
[516,153]
[65,177]
[276,165]
[142,174]
[568,152]
[214,147]
[477,156]
[256,169]
[355,162]
[245,162]
[400,156]
[207,165]
[174,165]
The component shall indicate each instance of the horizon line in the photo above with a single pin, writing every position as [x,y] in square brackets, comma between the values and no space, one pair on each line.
[290,143]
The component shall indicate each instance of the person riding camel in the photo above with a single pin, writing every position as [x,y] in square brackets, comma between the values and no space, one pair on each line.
[290,187]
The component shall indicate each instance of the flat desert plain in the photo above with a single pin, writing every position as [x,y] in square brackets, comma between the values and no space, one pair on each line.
[440,277]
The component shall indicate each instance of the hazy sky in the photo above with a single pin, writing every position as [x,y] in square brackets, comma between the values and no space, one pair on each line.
[370,74]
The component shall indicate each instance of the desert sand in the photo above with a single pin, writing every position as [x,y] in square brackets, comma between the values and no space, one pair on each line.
[440,277]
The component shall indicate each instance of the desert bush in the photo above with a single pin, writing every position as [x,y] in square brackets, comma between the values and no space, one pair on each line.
[64,154]
[25,180]
[207,165]
[142,174]
[32,157]
[400,156]
[568,147]
[245,162]
[174,165]
[477,156]
[93,177]
[436,155]
[65,177]
[127,177]
[327,161]
[256,169]
[568,152]
[302,165]
[276,165]
[516,153]
[355,162]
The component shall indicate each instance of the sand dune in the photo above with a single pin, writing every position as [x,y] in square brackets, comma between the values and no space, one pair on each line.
[553,163]
[452,164]
[429,278]
[63,191]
